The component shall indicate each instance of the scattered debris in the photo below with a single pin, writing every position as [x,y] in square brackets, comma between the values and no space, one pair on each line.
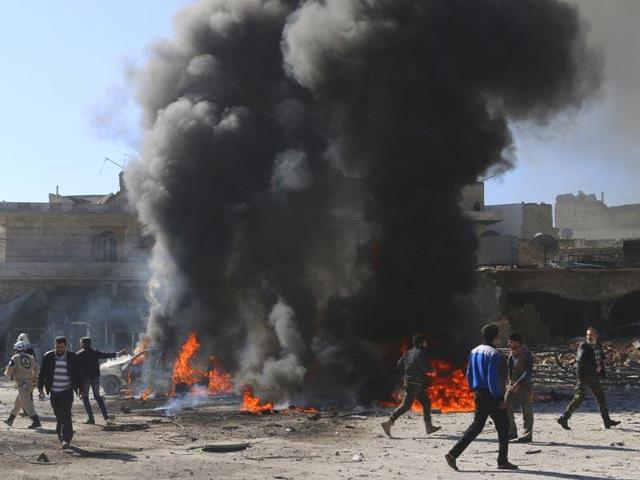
[358,457]
[315,416]
[225,447]
[532,452]
[125,427]
[357,417]
[42,458]
[297,458]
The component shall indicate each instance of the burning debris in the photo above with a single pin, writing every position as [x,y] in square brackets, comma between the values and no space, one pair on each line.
[268,119]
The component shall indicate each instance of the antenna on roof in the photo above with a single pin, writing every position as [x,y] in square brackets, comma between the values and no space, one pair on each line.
[107,159]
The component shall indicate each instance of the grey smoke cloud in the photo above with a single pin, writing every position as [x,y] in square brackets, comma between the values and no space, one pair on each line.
[279,132]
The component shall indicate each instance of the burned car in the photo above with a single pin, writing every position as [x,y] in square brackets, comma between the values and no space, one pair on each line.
[117,373]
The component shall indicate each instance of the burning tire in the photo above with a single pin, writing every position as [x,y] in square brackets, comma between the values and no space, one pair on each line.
[111,385]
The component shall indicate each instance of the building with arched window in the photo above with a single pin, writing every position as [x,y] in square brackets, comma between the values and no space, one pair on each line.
[75,266]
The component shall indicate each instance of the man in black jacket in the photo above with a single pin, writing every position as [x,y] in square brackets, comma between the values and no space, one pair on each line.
[590,366]
[414,364]
[60,377]
[89,366]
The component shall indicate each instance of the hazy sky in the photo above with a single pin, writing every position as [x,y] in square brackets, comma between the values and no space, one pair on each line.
[65,104]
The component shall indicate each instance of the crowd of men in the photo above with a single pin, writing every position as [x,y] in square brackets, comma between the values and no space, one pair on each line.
[496,398]
[60,374]
[63,373]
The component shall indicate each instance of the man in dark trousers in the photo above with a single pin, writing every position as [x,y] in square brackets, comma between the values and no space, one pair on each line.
[414,364]
[590,367]
[89,366]
[484,379]
[519,389]
[60,377]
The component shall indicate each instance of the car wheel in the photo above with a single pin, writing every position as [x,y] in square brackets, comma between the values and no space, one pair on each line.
[110,385]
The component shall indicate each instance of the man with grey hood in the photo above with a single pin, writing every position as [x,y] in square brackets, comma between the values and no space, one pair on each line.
[520,368]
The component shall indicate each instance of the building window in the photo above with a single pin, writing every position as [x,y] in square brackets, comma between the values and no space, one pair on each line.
[477,207]
[106,247]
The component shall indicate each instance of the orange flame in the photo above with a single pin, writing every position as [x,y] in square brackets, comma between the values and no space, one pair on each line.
[182,370]
[146,393]
[143,344]
[218,381]
[251,404]
[448,389]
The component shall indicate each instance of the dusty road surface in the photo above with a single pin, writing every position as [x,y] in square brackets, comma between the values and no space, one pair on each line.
[340,445]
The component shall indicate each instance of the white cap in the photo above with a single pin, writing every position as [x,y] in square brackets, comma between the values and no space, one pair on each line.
[23,337]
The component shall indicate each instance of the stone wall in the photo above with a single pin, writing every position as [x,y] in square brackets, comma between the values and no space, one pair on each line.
[70,237]
[537,218]
[587,217]
[3,242]
[524,220]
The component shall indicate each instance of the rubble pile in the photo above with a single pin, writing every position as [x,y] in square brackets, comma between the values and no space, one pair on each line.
[555,366]
[618,354]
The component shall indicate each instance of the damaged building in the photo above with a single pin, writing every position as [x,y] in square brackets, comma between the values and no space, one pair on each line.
[550,287]
[75,266]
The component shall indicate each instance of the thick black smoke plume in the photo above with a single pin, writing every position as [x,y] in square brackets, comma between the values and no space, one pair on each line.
[303,164]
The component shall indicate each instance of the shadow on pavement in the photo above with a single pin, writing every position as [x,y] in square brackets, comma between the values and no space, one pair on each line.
[103,454]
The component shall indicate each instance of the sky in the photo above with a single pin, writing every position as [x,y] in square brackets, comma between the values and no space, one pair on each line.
[66,105]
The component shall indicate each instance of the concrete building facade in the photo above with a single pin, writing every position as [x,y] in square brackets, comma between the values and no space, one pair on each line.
[585,216]
[75,266]
[524,220]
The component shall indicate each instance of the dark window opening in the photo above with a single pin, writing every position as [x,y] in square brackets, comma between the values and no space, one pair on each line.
[106,247]
[626,311]
[558,316]
[477,207]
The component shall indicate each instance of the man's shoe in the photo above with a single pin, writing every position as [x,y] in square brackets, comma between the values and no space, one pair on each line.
[90,421]
[507,466]
[9,421]
[608,423]
[36,422]
[386,426]
[564,422]
[66,445]
[451,461]
[524,439]
[431,428]
[513,436]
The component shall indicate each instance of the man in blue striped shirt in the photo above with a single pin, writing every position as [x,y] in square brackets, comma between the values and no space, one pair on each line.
[59,376]
[484,379]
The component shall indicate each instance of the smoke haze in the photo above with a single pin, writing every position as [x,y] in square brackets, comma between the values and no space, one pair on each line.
[302,167]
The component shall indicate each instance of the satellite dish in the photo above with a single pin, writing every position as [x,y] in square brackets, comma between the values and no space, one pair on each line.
[566,234]
[544,246]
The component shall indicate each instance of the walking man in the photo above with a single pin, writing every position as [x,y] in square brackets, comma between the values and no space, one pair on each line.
[60,377]
[519,387]
[24,338]
[483,378]
[590,367]
[414,364]
[89,366]
[23,368]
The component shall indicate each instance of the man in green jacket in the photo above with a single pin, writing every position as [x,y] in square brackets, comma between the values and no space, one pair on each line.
[590,368]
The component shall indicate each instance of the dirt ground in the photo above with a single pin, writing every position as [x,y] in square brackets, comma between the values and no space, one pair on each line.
[340,445]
